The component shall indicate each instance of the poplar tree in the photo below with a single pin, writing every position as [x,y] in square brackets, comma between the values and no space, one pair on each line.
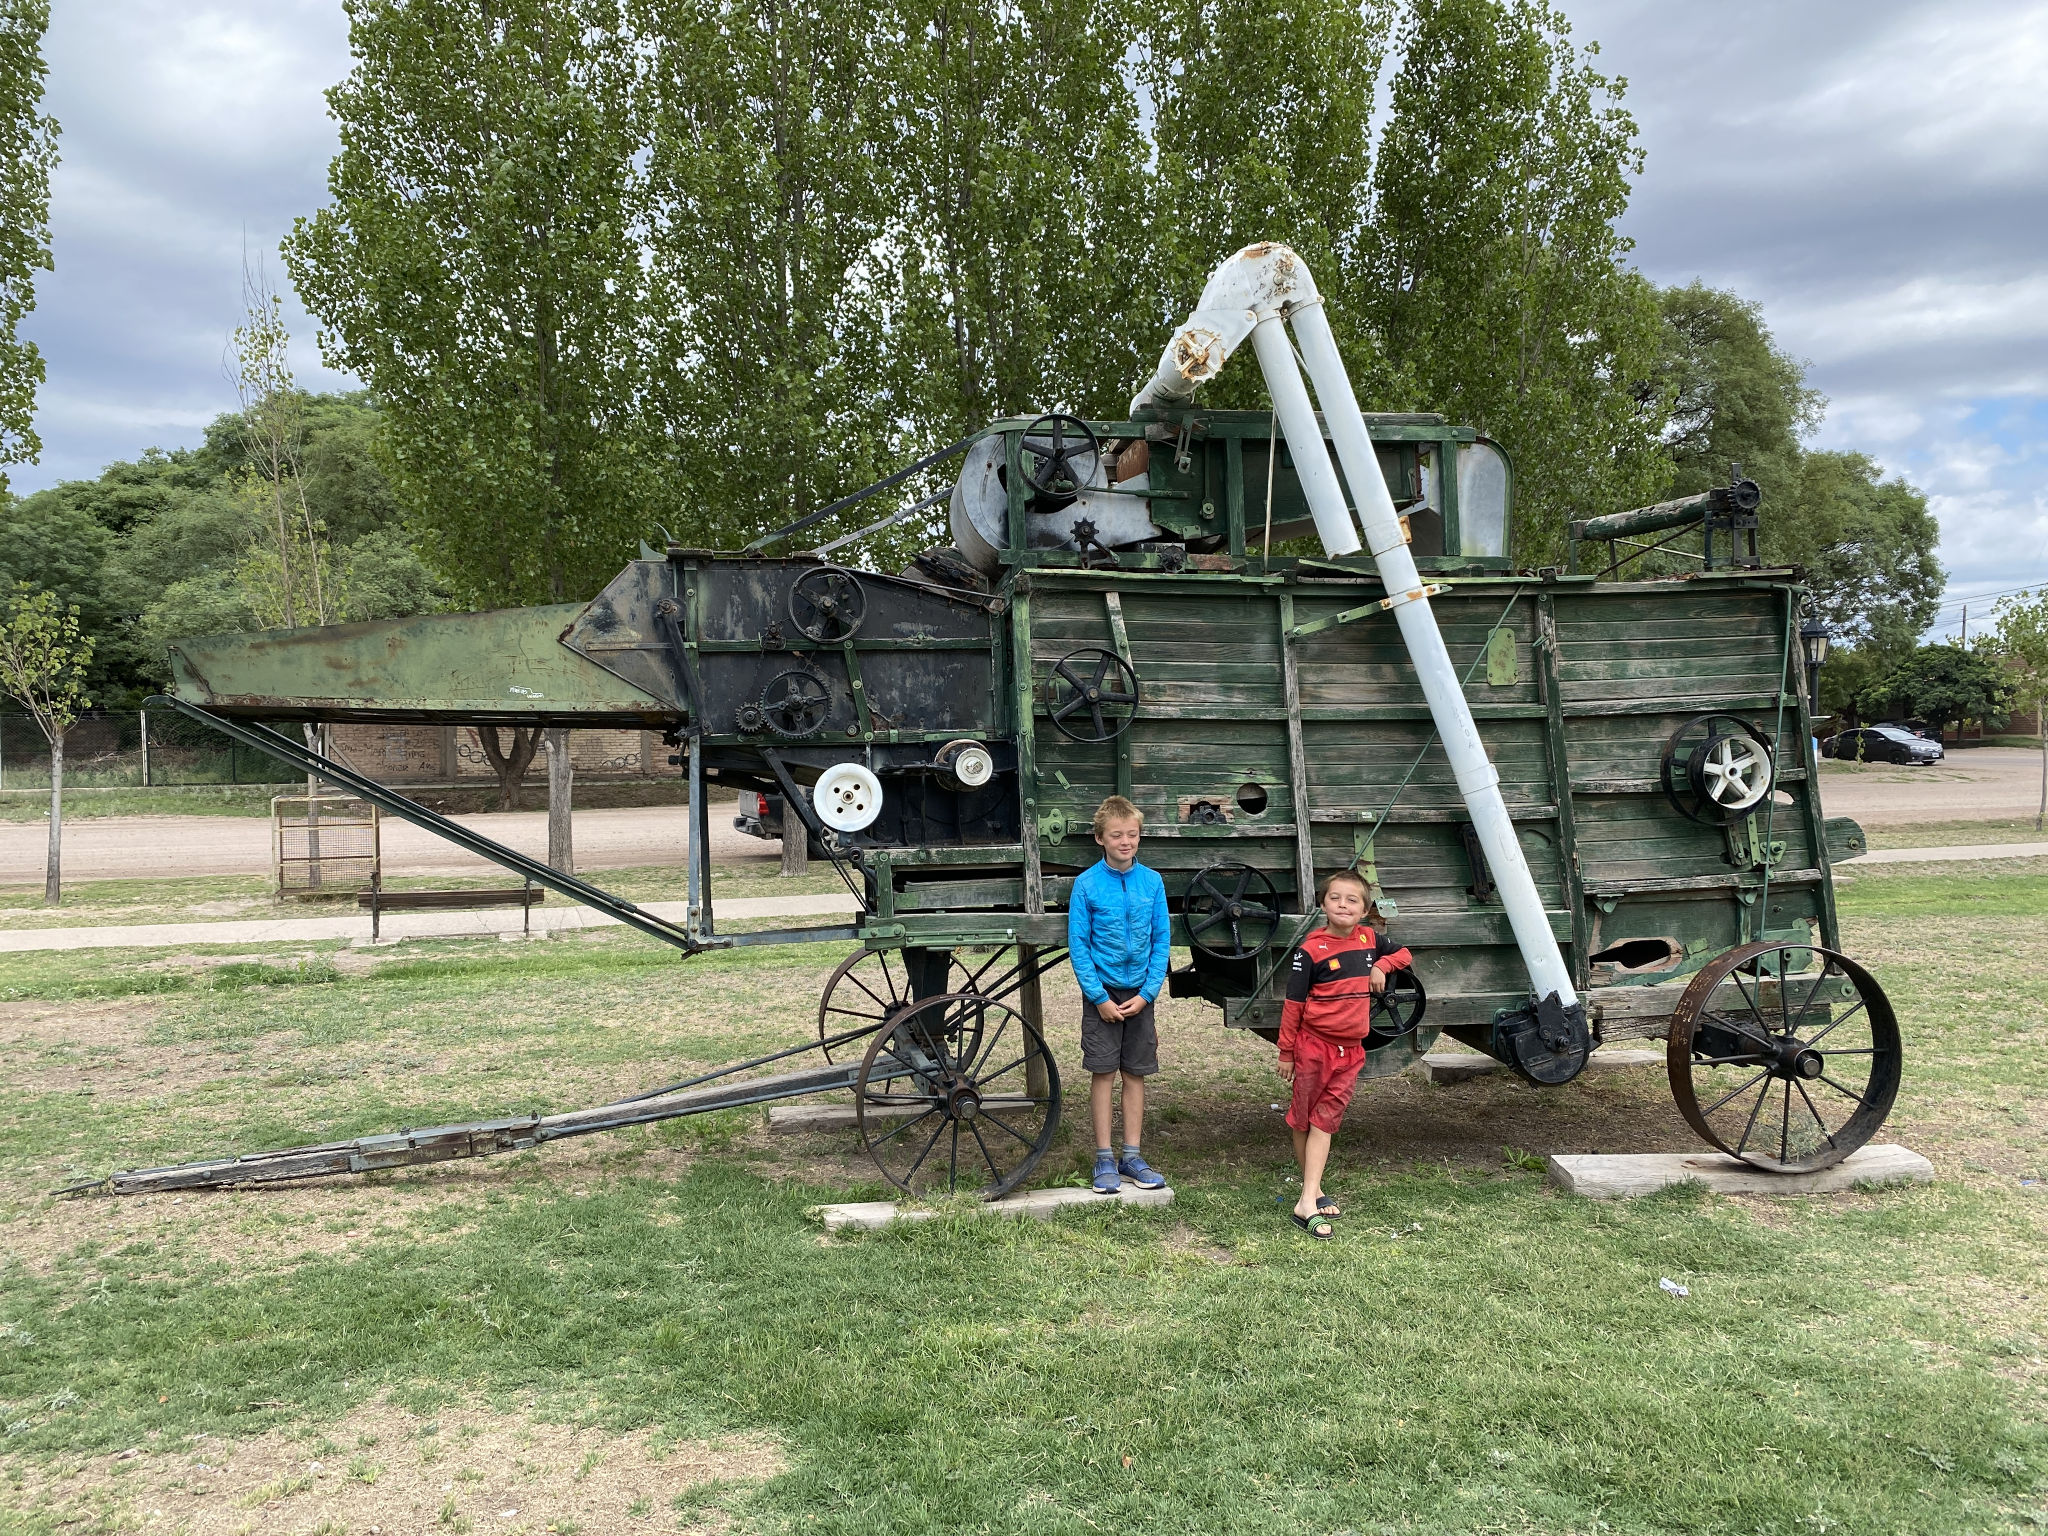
[767,198]
[28,153]
[1263,125]
[1502,286]
[478,269]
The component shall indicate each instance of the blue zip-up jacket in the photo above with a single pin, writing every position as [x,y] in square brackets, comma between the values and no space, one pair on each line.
[1118,931]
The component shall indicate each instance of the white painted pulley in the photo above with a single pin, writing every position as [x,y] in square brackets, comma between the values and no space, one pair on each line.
[967,763]
[848,797]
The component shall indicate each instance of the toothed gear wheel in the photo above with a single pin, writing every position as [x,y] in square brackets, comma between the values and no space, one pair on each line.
[795,704]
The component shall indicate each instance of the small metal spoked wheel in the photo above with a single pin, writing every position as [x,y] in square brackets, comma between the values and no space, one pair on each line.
[1232,911]
[1397,1012]
[1092,695]
[957,1092]
[1784,1055]
[866,990]
[1061,455]
[828,604]
[1716,767]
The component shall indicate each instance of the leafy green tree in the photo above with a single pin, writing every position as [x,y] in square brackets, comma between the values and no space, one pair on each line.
[1262,124]
[1737,397]
[1941,684]
[2022,643]
[1501,283]
[1867,545]
[44,659]
[28,153]
[1021,240]
[767,200]
[479,267]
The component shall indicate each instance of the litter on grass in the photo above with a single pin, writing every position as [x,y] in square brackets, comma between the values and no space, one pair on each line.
[1672,1288]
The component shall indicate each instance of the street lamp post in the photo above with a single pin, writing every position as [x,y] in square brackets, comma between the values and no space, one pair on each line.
[1813,640]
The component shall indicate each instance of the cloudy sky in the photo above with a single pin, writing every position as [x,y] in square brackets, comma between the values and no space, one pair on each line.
[1872,170]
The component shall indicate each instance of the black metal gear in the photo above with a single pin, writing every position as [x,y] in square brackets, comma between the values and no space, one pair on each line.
[828,604]
[795,704]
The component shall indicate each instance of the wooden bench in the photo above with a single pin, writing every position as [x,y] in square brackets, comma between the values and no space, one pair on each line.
[377,901]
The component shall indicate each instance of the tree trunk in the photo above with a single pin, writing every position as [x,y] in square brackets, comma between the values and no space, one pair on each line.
[510,766]
[2041,719]
[796,843]
[53,873]
[313,744]
[561,784]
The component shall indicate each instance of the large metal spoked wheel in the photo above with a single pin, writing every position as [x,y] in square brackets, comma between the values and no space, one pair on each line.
[1232,911]
[946,1097]
[867,989]
[1784,1055]
[827,604]
[1092,695]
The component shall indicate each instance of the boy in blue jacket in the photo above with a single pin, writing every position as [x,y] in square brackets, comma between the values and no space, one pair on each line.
[1117,932]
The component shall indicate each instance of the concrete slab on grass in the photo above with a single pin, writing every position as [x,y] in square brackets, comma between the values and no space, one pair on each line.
[1038,1204]
[1601,1177]
[1458,1066]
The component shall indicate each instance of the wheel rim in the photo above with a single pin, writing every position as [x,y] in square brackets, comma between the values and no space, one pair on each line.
[945,1098]
[1401,1005]
[1786,1056]
[1092,695]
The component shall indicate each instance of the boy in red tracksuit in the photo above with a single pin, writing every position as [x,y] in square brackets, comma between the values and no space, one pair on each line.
[1331,978]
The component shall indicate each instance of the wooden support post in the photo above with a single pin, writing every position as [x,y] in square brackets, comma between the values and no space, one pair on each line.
[1297,764]
[1558,753]
[1113,601]
[1031,1003]
[561,793]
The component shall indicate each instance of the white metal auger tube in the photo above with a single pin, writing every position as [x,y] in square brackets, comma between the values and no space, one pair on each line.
[1253,294]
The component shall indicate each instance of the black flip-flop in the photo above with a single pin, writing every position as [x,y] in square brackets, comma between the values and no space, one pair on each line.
[1316,1226]
[1325,1206]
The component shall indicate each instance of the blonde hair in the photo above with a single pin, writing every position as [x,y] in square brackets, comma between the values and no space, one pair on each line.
[1350,877]
[1116,808]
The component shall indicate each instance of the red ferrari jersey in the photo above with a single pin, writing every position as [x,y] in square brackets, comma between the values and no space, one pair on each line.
[1329,984]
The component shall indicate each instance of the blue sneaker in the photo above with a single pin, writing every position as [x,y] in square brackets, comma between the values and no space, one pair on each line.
[1106,1180]
[1140,1172]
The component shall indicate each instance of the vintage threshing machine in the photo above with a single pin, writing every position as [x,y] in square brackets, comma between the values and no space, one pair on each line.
[1587,805]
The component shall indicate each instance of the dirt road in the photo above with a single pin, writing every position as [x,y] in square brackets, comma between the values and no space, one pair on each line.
[1980,784]
[1983,784]
[156,847]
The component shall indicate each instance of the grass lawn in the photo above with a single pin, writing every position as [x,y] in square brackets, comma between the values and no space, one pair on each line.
[645,1331]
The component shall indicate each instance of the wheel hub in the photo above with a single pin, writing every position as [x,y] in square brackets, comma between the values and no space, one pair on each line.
[1801,1061]
[963,1101]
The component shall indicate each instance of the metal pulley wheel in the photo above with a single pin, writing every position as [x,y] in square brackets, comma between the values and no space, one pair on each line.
[1717,767]
[1232,911]
[1092,695]
[957,1092]
[1397,1012]
[828,604]
[1060,455]
[1786,1056]
[847,797]
[794,705]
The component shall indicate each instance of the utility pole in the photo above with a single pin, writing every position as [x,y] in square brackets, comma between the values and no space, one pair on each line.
[561,785]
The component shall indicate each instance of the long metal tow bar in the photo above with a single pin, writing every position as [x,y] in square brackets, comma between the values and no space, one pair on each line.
[484,1138]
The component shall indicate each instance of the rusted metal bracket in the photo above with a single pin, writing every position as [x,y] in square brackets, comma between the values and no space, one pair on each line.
[1364,611]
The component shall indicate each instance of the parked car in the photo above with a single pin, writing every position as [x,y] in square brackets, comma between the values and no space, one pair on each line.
[1883,744]
[760,815]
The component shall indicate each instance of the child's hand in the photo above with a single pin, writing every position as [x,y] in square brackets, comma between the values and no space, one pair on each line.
[1286,1069]
[1379,980]
[1133,1007]
[1110,1010]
